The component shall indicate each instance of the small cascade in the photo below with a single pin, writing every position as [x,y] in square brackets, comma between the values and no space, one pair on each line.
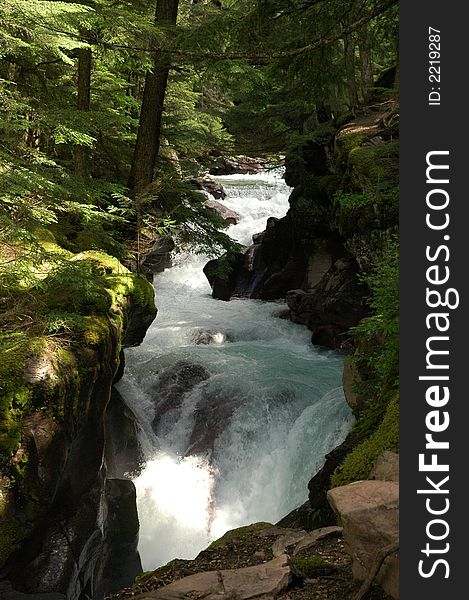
[236,408]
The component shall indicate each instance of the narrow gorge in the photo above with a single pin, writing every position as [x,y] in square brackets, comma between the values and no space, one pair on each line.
[236,409]
[199,299]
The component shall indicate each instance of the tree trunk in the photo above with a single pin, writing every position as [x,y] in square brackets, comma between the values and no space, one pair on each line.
[149,128]
[349,57]
[366,63]
[83,103]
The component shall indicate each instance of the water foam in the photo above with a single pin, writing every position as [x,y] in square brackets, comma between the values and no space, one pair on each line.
[276,400]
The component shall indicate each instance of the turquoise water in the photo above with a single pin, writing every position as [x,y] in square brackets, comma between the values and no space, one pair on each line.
[269,410]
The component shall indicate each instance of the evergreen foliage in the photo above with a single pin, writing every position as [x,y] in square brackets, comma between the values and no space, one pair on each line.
[244,76]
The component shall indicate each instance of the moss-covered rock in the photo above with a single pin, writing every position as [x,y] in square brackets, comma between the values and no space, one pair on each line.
[240,533]
[360,462]
[311,566]
[67,326]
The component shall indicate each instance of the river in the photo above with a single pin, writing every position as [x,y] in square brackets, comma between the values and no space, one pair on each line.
[241,444]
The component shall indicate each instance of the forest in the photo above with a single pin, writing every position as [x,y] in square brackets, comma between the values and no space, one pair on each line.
[114,114]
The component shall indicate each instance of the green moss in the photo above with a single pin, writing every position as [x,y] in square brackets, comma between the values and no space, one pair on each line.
[141,578]
[374,167]
[61,319]
[240,533]
[349,142]
[359,463]
[311,566]
[15,392]
[47,241]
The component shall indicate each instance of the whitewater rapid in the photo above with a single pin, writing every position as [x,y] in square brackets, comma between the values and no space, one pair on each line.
[269,409]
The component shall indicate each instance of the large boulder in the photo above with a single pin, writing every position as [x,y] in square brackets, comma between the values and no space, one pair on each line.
[210,185]
[262,582]
[222,274]
[211,417]
[234,165]
[386,467]
[369,514]
[335,304]
[120,562]
[229,216]
[158,257]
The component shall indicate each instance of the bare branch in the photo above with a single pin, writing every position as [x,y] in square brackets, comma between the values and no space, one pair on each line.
[380,558]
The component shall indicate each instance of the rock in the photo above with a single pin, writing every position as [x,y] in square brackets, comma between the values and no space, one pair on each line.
[295,541]
[62,556]
[120,563]
[211,417]
[234,165]
[158,258]
[311,539]
[311,158]
[298,518]
[258,238]
[55,512]
[332,307]
[289,539]
[8,593]
[350,378]
[295,300]
[139,322]
[172,385]
[319,264]
[386,467]
[369,513]
[283,314]
[222,274]
[210,185]
[122,450]
[262,582]
[229,216]
[206,337]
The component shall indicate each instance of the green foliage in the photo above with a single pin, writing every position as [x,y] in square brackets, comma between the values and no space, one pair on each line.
[68,308]
[240,533]
[378,335]
[374,167]
[312,566]
[351,200]
[359,463]
[175,203]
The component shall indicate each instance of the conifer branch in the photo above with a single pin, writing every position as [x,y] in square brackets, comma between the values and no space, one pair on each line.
[241,55]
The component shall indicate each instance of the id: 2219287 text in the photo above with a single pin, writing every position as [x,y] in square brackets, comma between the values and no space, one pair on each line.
[434,66]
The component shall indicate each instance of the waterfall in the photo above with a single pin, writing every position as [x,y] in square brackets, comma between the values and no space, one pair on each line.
[232,430]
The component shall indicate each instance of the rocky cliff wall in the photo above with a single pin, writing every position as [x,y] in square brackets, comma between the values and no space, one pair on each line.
[56,380]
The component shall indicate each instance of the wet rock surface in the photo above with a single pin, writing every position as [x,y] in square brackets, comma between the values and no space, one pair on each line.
[229,216]
[158,257]
[120,563]
[237,165]
[122,450]
[210,185]
[173,384]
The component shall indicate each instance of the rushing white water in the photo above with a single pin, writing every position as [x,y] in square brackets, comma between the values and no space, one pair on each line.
[241,444]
